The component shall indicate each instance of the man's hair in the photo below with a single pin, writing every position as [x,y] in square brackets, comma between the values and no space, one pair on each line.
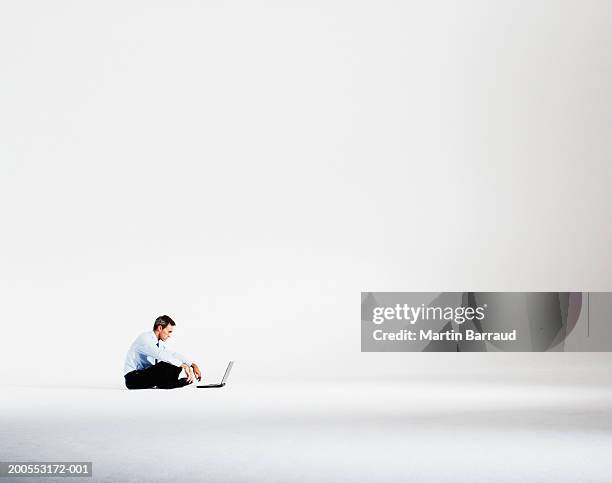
[163,321]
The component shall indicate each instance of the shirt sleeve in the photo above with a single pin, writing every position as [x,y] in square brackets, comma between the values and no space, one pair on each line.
[148,348]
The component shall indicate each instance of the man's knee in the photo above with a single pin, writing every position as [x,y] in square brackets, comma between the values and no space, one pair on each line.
[168,368]
[137,381]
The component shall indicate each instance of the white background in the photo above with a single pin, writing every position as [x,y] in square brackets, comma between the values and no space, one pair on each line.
[249,169]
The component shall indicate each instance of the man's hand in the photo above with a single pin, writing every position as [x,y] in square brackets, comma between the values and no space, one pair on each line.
[188,373]
[197,371]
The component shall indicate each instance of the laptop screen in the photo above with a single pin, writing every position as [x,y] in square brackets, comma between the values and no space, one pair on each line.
[227,371]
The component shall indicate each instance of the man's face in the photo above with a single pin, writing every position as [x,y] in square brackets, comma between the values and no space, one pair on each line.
[165,332]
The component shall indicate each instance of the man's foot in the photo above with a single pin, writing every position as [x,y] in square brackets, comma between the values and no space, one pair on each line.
[182,382]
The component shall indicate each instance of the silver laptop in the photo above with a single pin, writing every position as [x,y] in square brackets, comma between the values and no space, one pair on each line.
[225,377]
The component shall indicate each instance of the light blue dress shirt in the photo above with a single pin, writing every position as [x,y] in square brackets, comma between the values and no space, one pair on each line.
[144,351]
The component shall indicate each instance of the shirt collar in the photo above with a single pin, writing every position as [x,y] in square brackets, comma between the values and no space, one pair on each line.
[155,339]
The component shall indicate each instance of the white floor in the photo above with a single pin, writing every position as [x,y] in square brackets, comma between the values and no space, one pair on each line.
[440,431]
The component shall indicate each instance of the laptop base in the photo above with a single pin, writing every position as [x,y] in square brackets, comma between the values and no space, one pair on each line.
[223,381]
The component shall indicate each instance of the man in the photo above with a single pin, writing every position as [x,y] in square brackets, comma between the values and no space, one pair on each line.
[150,364]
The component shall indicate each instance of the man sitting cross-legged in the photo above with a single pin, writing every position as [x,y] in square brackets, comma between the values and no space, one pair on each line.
[150,364]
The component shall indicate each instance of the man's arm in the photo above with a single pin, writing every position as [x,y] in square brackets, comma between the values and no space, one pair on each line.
[148,348]
[197,371]
[192,372]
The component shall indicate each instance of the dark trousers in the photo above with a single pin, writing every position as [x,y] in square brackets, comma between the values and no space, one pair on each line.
[162,375]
